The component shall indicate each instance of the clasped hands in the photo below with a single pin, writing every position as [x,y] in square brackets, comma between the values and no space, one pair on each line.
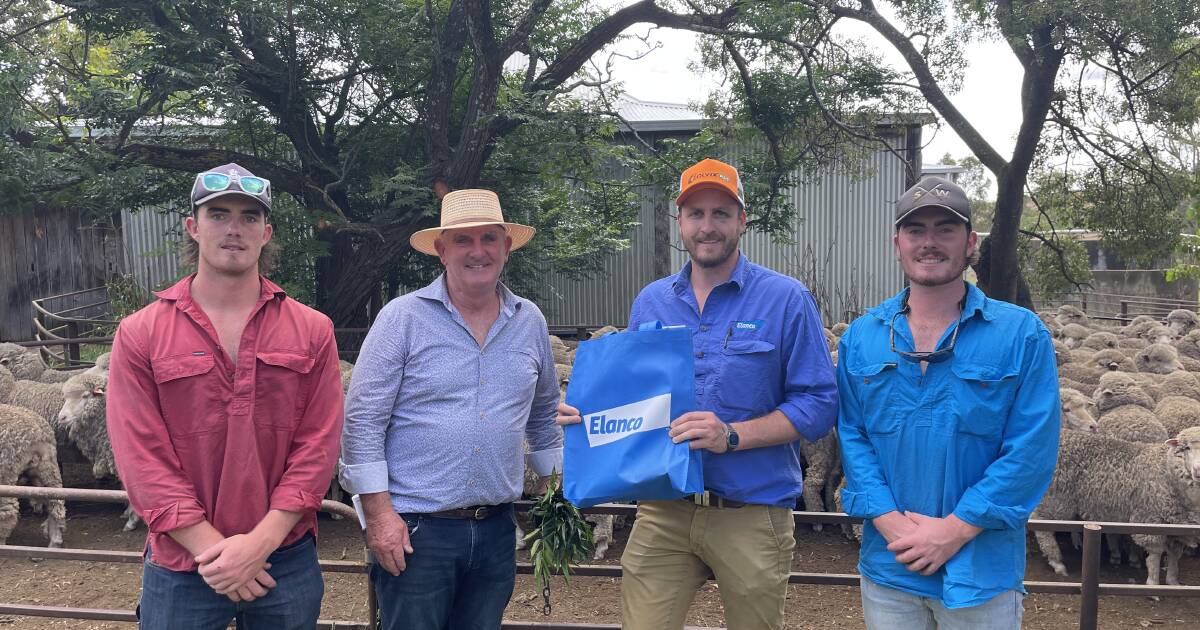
[923,543]
[236,567]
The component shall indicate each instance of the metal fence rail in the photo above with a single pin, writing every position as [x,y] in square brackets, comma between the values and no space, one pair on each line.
[1089,588]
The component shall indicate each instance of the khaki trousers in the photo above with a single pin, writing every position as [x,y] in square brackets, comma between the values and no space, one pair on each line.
[675,544]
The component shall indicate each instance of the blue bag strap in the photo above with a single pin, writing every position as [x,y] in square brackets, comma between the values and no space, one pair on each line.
[654,325]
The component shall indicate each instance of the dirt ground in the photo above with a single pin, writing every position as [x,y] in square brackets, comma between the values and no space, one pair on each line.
[586,600]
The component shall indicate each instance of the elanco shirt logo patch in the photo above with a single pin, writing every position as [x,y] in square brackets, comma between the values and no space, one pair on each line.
[610,425]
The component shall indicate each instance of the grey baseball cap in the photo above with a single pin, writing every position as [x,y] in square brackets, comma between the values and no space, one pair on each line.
[228,180]
[934,191]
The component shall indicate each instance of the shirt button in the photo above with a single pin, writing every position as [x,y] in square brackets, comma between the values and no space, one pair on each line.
[471,482]
[703,328]
[483,381]
[476,449]
[700,355]
[481,414]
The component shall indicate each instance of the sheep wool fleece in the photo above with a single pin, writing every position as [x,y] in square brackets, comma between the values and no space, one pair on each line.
[974,436]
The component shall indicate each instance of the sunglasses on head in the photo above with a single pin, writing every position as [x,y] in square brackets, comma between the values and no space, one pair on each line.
[216,182]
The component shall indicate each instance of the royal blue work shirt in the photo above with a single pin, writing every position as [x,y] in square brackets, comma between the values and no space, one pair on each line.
[758,347]
[975,436]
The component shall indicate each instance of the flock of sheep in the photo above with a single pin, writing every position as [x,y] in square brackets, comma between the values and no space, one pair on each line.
[1129,449]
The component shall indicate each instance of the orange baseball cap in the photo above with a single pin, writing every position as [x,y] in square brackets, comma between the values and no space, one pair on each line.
[714,175]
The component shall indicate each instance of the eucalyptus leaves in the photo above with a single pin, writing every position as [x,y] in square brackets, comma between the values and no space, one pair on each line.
[560,538]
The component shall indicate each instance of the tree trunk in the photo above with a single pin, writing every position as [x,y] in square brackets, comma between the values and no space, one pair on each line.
[345,296]
[662,239]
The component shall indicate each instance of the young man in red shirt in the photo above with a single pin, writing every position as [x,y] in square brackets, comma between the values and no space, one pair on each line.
[225,412]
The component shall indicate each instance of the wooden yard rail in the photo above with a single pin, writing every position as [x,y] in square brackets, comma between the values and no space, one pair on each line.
[1089,588]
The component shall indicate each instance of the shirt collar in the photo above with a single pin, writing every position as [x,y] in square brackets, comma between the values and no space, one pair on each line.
[437,291]
[181,292]
[737,278]
[973,302]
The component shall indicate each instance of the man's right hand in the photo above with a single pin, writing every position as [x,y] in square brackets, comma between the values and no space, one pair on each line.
[387,537]
[893,525]
[567,415]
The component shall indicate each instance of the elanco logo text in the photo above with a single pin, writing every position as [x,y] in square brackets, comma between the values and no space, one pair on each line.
[610,425]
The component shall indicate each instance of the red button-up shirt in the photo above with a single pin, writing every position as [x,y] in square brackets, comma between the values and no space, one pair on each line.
[197,437]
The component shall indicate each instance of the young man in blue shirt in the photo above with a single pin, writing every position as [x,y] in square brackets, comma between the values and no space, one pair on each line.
[949,429]
[763,379]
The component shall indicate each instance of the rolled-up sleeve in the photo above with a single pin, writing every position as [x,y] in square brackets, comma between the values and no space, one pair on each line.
[866,494]
[1014,483]
[149,468]
[810,393]
[314,448]
[544,436]
[370,402]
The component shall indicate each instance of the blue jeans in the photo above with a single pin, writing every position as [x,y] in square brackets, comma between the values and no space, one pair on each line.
[886,608]
[459,576]
[180,600]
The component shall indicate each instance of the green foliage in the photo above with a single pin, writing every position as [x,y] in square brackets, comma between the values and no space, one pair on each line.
[1052,269]
[560,539]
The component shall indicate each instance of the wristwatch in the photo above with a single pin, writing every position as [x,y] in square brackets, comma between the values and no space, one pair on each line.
[731,438]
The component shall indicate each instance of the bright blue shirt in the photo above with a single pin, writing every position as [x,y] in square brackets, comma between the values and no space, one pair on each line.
[758,347]
[438,421]
[976,436]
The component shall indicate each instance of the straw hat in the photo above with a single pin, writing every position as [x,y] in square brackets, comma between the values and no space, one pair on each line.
[470,208]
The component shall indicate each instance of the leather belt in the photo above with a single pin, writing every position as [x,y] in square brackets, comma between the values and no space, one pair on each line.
[708,499]
[474,512]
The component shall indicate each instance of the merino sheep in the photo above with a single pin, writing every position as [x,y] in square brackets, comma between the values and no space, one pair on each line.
[1112,360]
[1158,358]
[1105,479]
[1189,345]
[831,340]
[839,329]
[1101,341]
[1176,384]
[1177,413]
[605,330]
[84,418]
[1073,335]
[1126,411]
[1068,314]
[44,399]
[1076,411]
[1135,326]
[1182,321]
[822,472]
[1062,354]
[26,365]
[28,453]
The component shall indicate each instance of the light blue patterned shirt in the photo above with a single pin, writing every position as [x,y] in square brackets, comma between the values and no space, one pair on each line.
[438,421]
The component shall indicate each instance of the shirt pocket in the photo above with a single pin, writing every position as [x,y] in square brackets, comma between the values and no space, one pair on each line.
[187,393]
[280,391]
[746,375]
[983,398]
[876,385]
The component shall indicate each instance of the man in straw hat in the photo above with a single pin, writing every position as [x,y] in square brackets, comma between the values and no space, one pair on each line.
[450,378]
[763,380]
[224,411]
[948,427]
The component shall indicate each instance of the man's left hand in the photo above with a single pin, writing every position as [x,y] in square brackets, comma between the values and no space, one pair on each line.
[232,562]
[935,541]
[702,429]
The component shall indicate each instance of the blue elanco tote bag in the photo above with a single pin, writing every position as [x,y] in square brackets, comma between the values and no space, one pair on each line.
[628,388]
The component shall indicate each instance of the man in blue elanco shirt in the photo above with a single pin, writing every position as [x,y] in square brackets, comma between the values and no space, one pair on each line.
[949,431]
[448,381]
[763,380]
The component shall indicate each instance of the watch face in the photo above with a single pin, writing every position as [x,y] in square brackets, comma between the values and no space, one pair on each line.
[733,439]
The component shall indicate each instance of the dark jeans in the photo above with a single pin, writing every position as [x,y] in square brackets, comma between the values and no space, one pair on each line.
[177,600]
[459,576]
